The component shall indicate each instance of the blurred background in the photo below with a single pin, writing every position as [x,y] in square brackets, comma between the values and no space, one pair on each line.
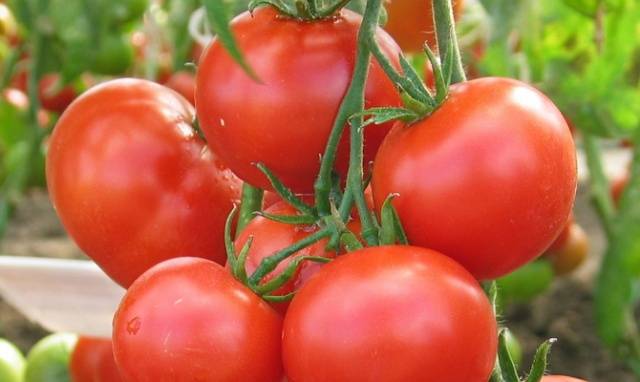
[585,54]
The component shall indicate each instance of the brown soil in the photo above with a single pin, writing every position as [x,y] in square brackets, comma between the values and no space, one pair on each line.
[564,312]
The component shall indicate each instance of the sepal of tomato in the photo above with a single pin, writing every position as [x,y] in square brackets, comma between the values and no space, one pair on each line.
[285,119]
[269,237]
[132,181]
[187,319]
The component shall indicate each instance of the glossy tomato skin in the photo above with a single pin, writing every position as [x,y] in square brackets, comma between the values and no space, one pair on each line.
[560,378]
[488,179]
[92,360]
[184,83]
[133,183]
[285,121]
[410,22]
[187,319]
[395,313]
[269,237]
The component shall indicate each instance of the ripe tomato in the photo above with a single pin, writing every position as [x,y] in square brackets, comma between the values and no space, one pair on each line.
[187,319]
[92,361]
[269,237]
[184,83]
[488,179]
[133,183]
[51,97]
[560,378]
[285,121]
[572,254]
[395,313]
[410,22]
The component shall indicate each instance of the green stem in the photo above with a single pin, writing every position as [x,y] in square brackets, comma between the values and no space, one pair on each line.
[268,264]
[446,34]
[250,204]
[355,98]
[599,183]
[420,94]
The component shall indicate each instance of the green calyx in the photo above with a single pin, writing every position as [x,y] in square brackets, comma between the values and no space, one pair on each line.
[305,10]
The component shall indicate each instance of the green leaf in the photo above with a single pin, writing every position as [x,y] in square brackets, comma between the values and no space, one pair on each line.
[540,361]
[289,219]
[507,367]
[218,17]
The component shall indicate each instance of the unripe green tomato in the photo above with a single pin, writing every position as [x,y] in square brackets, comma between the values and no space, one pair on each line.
[114,56]
[513,345]
[11,362]
[526,282]
[48,360]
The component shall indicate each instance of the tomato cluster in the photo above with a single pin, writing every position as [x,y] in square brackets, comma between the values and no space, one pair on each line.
[481,186]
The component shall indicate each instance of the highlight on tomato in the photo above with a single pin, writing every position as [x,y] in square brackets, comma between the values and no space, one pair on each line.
[488,179]
[304,69]
[390,313]
[130,143]
[188,319]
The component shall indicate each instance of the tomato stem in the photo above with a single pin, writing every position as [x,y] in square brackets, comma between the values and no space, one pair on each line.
[446,34]
[269,264]
[599,183]
[251,203]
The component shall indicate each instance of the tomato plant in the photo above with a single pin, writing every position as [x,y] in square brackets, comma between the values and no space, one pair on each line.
[269,236]
[187,319]
[285,119]
[410,22]
[48,360]
[488,179]
[130,143]
[92,360]
[12,362]
[388,314]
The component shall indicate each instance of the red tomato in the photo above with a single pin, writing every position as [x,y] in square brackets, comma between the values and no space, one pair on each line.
[393,313]
[560,378]
[572,254]
[51,97]
[184,83]
[285,121]
[617,188]
[269,237]
[133,183]
[488,179]
[187,319]
[92,361]
[410,22]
